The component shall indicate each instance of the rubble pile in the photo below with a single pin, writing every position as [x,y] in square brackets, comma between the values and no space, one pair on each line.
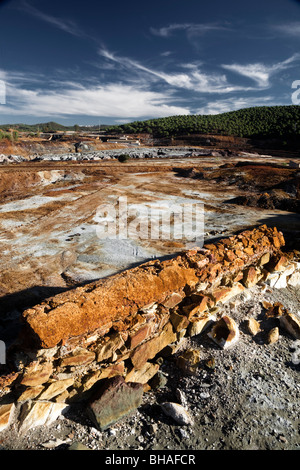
[99,343]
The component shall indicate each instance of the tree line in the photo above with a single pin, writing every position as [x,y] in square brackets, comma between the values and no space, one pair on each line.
[255,122]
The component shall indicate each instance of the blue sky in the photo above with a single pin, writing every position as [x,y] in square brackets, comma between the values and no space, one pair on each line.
[107,62]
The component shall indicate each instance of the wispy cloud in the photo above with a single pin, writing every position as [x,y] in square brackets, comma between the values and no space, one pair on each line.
[257,72]
[166,53]
[289,29]
[261,73]
[195,80]
[66,24]
[194,32]
[190,28]
[235,103]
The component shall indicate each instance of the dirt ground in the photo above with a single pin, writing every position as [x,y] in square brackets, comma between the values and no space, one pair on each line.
[243,398]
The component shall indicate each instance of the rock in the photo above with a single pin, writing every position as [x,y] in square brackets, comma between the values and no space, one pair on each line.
[210,363]
[274,310]
[139,336]
[273,335]
[149,349]
[247,295]
[281,264]
[178,321]
[294,280]
[251,277]
[197,308]
[111,370]
[78,446]
[198,325]
[272,279]
[189,361]
[31,392]
[47,353]
[225,332]
[264,259]
[79,357]
[56,388]
[142,375]
[172,348]
[107,348]
[39,413]
[173,300]
[181,397]
[113,400]
[281,282]
[100,305]
[253,326]
[6,413]
[291,323]
[223,294]
[158,381]
[178,413]
[289,270]
[52,444]
[295,359]
[37,374]
[97,305]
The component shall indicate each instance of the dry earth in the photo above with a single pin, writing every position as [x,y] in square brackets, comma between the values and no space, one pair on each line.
[244,398]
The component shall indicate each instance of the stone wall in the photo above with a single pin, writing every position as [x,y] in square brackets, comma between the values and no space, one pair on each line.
[77,341]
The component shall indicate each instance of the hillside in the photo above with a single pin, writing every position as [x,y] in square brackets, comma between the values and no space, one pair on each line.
[266,128]
[256,122]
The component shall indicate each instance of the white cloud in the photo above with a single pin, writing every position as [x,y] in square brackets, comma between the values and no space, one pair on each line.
[111,100]
[261,73]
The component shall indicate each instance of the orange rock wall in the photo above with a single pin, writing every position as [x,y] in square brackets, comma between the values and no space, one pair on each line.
[115,301]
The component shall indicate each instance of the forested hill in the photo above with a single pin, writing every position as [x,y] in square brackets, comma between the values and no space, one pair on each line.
[257,122]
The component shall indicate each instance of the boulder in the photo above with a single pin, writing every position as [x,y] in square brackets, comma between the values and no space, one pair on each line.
[113,400]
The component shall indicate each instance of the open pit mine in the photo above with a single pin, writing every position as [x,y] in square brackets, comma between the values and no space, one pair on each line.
[149,342]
